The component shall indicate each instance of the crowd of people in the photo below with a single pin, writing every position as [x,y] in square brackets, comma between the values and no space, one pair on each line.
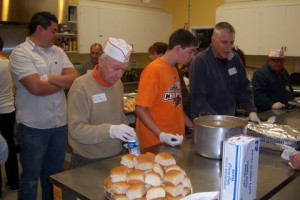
[92,120]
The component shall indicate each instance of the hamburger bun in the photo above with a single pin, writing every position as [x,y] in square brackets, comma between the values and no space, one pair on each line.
[135,176]
[127,160]
[156,192]
[186,192]
[175,167]
[107,184]
[119,187]
[165,159]
[119,173]
[173,177]
[153,179]
[158,169]
[143,162]
[136,191]
[186,182]
[174,190]
[151,156]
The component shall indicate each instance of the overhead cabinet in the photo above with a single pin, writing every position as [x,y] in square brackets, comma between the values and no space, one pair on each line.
[264,25]
[140,27]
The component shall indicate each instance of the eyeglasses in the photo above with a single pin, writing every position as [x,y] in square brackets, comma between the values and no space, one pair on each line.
[277,60]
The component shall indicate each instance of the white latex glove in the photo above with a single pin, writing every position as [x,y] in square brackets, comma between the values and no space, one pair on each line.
[277,105]
[122,132]
[253,117]
[297,99]
[171,139]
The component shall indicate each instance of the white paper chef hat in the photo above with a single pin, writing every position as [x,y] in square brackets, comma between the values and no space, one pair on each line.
[276,53]
[118,49]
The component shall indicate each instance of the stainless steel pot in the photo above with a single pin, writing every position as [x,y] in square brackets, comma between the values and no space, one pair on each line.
[211,130]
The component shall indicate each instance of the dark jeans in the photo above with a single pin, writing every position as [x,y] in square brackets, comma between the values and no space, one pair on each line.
[7,123]
[42,154]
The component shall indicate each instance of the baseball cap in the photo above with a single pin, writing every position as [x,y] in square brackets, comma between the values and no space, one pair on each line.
[118,49]
[276,53]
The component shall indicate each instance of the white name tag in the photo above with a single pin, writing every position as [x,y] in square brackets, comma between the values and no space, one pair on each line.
[232,71]
[98,98]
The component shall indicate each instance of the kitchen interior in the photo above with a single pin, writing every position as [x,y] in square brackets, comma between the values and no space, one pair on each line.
[260,25]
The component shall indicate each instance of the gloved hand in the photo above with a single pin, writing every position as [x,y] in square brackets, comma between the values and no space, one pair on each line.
[171,139]
[277,105]
[296,99]
[253,117]
[122,132]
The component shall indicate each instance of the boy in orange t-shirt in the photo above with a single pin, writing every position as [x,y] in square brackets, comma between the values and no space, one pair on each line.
[160,116]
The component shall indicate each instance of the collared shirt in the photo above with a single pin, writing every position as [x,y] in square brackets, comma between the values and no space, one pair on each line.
[42,112]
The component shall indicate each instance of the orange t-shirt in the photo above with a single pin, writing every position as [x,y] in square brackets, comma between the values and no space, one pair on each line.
[159,90]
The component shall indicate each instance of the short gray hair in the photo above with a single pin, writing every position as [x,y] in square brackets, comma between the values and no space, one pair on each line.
[223,26]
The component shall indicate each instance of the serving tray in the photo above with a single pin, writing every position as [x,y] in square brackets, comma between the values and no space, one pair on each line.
[275,133]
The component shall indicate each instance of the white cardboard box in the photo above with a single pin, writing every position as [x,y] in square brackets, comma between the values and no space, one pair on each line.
[239,168]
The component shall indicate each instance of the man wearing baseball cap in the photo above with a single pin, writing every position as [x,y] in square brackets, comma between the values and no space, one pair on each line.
[97,123]
[271,85]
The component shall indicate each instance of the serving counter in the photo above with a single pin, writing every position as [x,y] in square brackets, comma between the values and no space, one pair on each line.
[273,175]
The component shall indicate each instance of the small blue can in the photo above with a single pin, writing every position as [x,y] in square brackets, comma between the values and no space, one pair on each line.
[134,147]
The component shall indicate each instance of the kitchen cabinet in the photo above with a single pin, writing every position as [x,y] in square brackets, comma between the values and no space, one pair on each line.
[264,25]
[280,28]
[246,22]
[139,27]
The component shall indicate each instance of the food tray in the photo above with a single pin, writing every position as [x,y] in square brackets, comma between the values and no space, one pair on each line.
[275,133]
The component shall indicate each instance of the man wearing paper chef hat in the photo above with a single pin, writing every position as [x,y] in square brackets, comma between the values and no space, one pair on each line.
[97,124]
[271,85]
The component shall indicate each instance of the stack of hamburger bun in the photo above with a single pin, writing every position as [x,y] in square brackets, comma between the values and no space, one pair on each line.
[148,176]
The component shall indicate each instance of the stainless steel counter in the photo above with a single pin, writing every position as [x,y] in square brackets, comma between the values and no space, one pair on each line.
[274,173]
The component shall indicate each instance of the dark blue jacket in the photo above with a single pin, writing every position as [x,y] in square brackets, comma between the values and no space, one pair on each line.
[216,85]
[270,87]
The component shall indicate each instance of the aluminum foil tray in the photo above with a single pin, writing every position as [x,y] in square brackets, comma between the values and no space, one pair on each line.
[275,133]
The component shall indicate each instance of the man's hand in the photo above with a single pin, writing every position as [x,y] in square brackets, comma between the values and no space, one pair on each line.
[253,117]
[278,105]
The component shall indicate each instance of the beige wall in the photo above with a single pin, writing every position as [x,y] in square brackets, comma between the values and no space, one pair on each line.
[202,14]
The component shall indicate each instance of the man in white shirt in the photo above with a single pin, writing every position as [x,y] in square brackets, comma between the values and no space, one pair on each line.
[41,72]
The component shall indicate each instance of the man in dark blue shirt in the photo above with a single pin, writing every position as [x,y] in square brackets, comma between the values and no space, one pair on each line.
[271,85]
[218,78]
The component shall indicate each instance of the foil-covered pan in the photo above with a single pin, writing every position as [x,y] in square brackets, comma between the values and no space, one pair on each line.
[275,133]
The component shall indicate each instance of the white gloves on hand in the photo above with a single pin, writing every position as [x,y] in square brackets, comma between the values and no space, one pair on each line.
[253,117]
[171,139]
[277,105]
[297,99]
[122,132]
